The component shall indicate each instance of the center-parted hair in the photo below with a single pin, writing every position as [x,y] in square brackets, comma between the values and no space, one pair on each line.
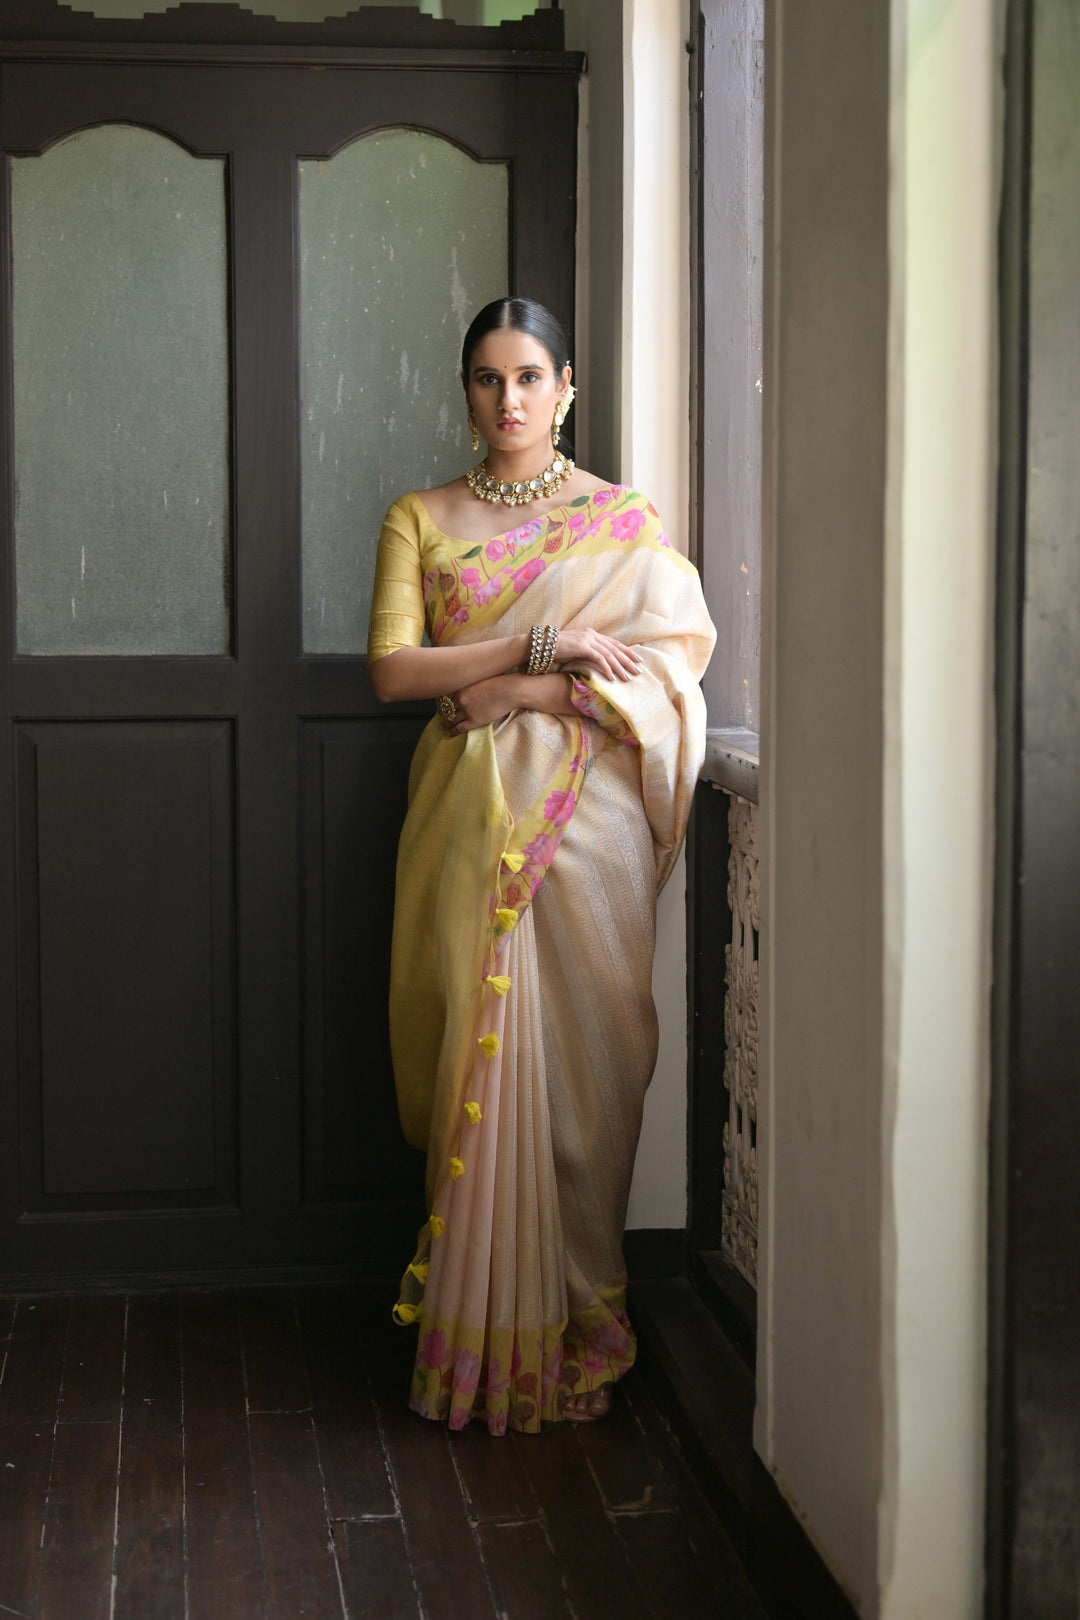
[517,315]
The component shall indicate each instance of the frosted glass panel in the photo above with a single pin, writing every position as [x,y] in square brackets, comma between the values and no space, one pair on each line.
[402,239]
[121,396]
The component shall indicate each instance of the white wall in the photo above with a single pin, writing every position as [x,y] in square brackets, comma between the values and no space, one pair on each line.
[876,789]
[818,1422]
[938,803]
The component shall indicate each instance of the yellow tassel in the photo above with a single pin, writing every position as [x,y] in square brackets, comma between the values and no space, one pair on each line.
[489,1044]
[505,918]
[405,1315]
[472,1113]
[437,1226]
[456,1169]
[512,860]
[498,982]
[419,1270]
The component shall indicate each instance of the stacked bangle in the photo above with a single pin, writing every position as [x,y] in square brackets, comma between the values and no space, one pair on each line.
[543,640]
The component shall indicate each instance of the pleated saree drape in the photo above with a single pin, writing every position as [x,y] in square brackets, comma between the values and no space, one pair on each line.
[522,1023]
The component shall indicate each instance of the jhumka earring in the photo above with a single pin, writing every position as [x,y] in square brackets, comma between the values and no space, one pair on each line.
[560,411]
[472,429]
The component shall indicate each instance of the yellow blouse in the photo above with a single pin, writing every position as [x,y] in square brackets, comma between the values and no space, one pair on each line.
[397,600]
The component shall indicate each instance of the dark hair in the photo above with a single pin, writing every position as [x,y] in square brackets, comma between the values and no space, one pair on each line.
[517,315]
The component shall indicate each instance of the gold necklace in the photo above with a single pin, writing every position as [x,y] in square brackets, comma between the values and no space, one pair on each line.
[487,488]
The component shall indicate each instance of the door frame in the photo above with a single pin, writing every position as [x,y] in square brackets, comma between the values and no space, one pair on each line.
[1033,1420]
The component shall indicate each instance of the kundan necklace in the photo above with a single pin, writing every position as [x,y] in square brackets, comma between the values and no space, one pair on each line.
[487,488]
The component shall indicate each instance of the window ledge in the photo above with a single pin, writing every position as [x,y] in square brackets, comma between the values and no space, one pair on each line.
[731,761]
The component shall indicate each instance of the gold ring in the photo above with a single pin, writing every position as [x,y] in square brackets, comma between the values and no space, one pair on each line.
[448,709]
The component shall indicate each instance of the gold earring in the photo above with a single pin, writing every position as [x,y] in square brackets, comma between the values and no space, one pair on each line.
[472,429]
[560,411]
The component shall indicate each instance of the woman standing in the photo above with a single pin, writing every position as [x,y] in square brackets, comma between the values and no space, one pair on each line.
[547,804]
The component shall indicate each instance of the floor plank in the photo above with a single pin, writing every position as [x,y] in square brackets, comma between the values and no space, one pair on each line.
[524,1571]
[298,1552]
[628,1471]
[705,1540]
[493,1474]
[150,1543]
[376,1574]
[446,1561]
[180,1437]
[594,1566]
[34,1368]
[678,1580]
[77,1551]
[225,1575]
[273,1357]
[333,1328]
[94,1362]
[31,1381]
[25,1463]
[8,1308]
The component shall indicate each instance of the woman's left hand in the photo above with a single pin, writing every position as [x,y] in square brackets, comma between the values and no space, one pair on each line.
[483,704]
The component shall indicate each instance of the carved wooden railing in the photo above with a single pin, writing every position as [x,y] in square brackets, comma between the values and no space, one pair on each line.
[739,1220]
[731,767]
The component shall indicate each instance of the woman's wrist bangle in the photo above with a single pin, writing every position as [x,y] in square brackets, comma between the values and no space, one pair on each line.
[543,640]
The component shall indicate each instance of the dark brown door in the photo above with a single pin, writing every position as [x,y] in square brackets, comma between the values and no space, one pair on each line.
[200,798]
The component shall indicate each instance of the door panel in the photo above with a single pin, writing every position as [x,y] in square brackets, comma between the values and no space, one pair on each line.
[202,831]
[127,968]
[354,778]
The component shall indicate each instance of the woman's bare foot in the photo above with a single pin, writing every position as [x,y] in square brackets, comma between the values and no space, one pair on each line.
[589,1405]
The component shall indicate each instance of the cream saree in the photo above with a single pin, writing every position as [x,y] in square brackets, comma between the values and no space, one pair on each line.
[522,1023]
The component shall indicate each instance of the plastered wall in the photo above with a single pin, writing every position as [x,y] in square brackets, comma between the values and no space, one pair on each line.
[940,560]
[876,793]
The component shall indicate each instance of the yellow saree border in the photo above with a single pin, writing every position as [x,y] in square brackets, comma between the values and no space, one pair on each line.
[519,1378]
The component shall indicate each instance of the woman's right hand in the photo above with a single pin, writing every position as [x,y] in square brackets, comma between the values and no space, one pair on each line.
[599,654]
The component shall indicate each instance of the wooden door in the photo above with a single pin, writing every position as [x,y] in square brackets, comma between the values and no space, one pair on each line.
[201,798]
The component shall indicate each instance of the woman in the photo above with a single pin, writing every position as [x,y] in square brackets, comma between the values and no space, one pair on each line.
[547,803]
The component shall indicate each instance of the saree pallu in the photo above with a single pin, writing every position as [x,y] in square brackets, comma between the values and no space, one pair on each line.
[522,1023]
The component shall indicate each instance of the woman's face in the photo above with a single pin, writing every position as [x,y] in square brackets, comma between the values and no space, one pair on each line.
[514,389]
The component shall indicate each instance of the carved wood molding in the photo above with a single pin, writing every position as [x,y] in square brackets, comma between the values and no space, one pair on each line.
[42,27]
[739,1210]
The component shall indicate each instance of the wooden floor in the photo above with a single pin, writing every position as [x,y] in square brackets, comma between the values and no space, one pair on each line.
[242,1454]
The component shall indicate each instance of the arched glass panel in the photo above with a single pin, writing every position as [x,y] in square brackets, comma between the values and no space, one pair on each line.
[121,396]
[402,238]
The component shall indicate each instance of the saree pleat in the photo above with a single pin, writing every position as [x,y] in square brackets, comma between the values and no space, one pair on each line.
[595,929]
[522,1021]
